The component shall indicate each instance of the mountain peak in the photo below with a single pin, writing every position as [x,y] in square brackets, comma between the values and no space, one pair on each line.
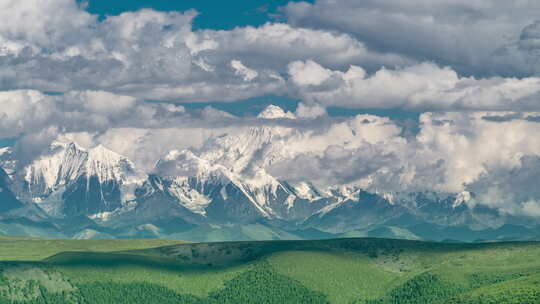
[109,165]
[100,152]
[65,144]
[67,163]
[274,112]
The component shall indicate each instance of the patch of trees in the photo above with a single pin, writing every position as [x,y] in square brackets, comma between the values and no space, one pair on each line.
[522,297]
[423,289]
[261,284]
[141,293]
[429,288]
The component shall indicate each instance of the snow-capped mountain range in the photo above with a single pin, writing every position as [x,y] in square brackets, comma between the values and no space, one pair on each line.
[220,189]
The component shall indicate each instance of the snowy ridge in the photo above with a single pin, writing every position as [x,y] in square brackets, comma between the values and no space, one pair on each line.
[108,165]
[462,198]
[227,169]
[8,161]
[262,144]
[342,194]
[239,159]
[65,163]
[189,177]
[307,191]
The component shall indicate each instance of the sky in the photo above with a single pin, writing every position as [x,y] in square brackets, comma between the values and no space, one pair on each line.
[213,14]
[393,95]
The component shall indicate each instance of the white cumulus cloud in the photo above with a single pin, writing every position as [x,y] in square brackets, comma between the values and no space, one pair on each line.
[424,86]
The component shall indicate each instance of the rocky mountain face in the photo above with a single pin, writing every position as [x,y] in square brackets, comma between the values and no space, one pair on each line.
[68,181]
[221,192]
[8,200]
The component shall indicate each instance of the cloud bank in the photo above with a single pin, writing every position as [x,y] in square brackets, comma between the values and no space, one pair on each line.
[407,53]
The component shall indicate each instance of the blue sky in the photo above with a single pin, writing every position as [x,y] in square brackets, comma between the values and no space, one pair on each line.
[213,14]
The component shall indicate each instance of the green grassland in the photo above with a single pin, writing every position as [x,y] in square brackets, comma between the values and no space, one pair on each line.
[33,249]
[361,270]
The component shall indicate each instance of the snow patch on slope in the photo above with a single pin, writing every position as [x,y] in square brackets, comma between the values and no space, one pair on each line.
[462,198]
[4,150]
[8,161]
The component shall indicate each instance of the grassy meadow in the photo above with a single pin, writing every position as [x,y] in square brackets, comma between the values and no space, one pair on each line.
[366,271]
[34,249]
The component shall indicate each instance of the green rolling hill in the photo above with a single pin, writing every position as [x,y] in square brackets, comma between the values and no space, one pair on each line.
[356,270]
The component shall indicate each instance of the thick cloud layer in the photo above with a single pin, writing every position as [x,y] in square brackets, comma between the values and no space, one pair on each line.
[156,55]
[27,111]
[468,35]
